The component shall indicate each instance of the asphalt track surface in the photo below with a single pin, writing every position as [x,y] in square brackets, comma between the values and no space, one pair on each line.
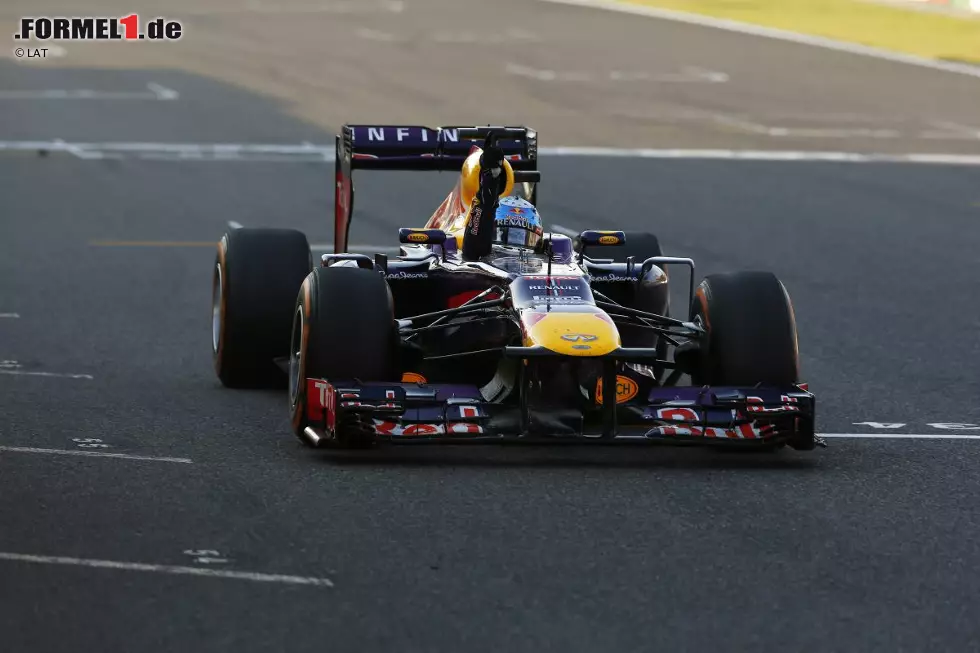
[870,544]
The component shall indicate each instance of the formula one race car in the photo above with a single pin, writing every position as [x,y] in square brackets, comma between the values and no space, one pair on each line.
[488,328]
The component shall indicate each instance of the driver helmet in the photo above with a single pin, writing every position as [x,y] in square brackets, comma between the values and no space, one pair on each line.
[517,223]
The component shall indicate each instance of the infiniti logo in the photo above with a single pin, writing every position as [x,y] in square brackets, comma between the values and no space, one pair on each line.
[579,337]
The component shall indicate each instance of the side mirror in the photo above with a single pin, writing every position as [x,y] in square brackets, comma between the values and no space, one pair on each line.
[421,236]
[593,238]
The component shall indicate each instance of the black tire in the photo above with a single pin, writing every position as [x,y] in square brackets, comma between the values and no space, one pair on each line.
[639,244]
[642,245]
[343,329]
[254,281]
[751,326]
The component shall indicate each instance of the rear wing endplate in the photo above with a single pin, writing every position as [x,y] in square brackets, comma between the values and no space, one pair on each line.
[413,147]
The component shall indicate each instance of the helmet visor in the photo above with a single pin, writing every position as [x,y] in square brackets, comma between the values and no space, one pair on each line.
[518,230]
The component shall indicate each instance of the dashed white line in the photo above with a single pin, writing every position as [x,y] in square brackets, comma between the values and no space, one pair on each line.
[533,73]
[12,316]
[819,132]
[952,130]
[689,75]
[58,375]
[458,37]
[374,35]
[162,92]
[154,92]
[95,454]
[803,132]
[167,569]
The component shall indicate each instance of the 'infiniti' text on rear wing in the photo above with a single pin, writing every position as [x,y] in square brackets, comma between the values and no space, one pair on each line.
[418,148]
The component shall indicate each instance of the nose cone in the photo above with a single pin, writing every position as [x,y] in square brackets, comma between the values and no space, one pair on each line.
[571,334]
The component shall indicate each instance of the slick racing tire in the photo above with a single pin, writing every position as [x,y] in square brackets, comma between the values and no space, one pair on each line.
[639,244]
[642,245]
[343,329]
[254,281]
[751,327]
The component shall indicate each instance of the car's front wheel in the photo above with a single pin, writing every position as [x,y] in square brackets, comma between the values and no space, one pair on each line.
[343,330]
[752,337]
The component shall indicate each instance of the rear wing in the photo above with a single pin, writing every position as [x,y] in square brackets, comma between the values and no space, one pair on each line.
[413,147]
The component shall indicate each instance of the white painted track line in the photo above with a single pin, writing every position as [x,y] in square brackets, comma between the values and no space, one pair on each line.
[57,375]
[375,35]
[308,152]
[234,225]
[688,75]
[167,569]
[12,316]
[772,33]
[95,454]
[162,92]
[763,155]
[900,436]
[154,92]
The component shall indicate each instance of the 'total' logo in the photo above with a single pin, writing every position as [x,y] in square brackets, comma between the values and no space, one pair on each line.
[126,28]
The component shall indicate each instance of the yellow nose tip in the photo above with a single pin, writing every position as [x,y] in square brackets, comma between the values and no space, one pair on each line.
[574,334]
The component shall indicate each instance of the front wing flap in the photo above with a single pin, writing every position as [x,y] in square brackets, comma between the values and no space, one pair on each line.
[409,412]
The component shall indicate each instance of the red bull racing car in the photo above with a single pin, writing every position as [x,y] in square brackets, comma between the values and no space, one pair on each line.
[488,328]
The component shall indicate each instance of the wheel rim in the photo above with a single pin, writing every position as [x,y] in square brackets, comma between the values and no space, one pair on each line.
[296,354]
[217,298]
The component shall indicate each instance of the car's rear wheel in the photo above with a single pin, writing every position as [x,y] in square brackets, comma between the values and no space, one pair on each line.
[343,330]
[642,245]
[752,337]
[254,280]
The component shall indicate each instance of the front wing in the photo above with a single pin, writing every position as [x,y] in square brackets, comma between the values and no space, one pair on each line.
[408,413]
